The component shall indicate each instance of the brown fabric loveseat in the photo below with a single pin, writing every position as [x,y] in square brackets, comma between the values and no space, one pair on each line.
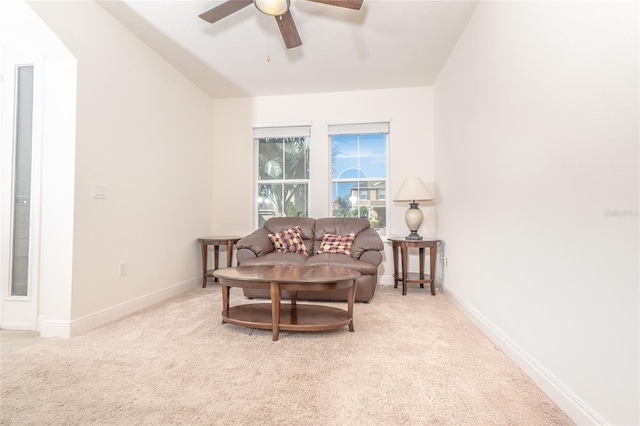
[365,256]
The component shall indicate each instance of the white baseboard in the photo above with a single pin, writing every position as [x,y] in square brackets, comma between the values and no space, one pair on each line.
[573,406]
[53,328]
[15,326]
[385,279]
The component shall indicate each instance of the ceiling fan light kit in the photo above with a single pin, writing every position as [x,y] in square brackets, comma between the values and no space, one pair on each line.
[277,8]
[272,7]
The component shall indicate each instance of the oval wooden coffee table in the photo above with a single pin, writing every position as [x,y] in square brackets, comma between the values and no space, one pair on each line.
[293,317]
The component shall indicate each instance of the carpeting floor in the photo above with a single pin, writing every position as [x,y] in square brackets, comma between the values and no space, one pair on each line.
[412,360]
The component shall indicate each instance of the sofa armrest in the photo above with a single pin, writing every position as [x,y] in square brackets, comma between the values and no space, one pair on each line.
[373,257]
[366,240]
[257,242]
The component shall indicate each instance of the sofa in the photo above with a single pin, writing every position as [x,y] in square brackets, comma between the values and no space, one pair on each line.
[344,242]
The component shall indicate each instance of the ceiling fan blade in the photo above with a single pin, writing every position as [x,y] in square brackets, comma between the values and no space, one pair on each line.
[288,30]
[349,4]
[223,10]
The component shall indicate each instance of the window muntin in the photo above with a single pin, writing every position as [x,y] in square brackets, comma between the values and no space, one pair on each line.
[283,172]
[359,173]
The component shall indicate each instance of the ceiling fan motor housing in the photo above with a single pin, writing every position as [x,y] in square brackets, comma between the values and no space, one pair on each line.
[272,7]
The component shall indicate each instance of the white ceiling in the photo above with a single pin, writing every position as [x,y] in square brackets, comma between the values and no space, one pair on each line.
[386,44]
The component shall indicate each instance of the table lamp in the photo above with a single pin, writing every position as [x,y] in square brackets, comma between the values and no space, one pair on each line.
[413,190]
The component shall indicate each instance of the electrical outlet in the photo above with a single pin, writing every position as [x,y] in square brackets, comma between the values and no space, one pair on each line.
[123,269]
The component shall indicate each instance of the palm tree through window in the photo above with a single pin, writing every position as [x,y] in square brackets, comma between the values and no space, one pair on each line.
[283,177]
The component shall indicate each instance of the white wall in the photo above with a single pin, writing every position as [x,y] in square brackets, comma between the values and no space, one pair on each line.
[144,131]
[410,150]
[536,115]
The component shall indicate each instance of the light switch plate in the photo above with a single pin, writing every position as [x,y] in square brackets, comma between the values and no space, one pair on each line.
[100,192]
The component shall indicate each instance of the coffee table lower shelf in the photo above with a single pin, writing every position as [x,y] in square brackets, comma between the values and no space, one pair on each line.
[298,317]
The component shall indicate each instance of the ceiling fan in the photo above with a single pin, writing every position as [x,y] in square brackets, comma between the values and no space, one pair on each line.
[277,8]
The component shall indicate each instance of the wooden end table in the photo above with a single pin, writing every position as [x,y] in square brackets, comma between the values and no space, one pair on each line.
[276,316]
[216,242]
[412,277]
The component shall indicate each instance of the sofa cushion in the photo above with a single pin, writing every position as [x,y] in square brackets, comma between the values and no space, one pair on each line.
[339,244]
[275,258]
[340,226]
[289,240]
[342,261]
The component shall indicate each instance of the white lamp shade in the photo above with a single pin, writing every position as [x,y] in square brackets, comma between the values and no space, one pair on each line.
[272,7]
[413,189]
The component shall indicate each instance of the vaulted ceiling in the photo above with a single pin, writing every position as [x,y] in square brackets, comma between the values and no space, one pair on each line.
[386,44]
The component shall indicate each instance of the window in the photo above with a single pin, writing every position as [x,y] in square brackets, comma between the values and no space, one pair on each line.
[22,181]
[283,171]
[359,172]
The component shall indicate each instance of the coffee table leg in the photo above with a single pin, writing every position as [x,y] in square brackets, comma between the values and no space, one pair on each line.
[351,297]
[275,310]
[225,298]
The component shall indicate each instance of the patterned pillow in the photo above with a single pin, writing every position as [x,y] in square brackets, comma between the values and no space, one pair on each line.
[339,244]
[289,240]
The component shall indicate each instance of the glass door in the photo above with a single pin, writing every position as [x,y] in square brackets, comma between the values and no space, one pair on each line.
[19,177]
[22,182]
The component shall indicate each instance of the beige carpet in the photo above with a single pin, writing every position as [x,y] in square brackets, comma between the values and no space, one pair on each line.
[412,360]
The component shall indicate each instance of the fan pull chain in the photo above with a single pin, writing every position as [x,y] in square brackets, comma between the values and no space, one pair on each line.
[269,42]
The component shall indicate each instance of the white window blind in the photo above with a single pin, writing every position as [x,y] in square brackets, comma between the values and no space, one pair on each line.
[281,132]
[358,128]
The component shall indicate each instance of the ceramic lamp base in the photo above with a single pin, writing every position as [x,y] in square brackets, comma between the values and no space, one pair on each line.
[413,217]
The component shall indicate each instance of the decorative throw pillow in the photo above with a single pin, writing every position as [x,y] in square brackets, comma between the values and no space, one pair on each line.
[339,244]
[289,240]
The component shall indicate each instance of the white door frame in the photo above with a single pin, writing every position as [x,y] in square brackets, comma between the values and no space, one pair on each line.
[19,312]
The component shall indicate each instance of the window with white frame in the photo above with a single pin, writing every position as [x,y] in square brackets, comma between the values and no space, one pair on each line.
[282,171]
[359,172]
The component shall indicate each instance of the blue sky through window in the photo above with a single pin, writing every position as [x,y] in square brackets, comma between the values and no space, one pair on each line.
[358,156]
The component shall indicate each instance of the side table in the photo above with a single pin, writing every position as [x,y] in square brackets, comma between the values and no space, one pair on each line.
[412,277]
[216,242]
